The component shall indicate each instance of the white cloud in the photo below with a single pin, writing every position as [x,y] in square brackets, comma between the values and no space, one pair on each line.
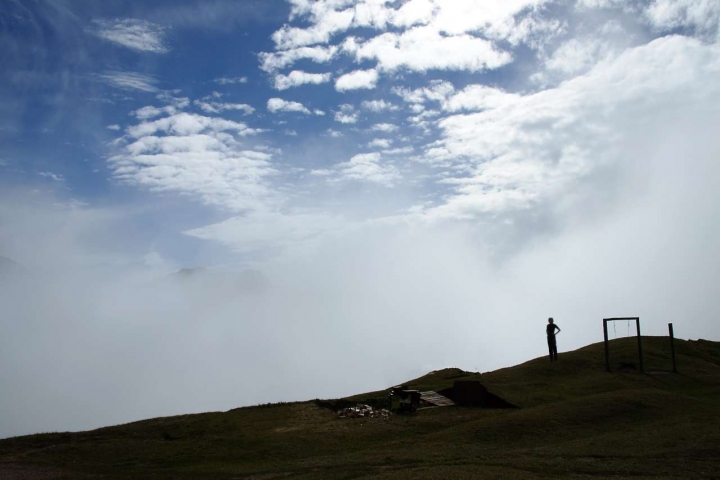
[372,15]
[422,117]
[493,19]
[461,35]
[703,15]
[399,151]
[534,31]
[199,156]
[350,45]
[451,18]
[478,97]
[410,96]
[380,143]
[113,127]
[275,105]
[230,80]
[333,133]
[438,91]
[359,79]
[345,117]
[601,3]
[129,81]
[270,62]
[384,127]
[326,22]
[170,98]
[366,167]
[135,34]
[150,111]
[319,112]
[414,12]
[379,106]
[297,78]
[217,107]
[523,150]
[346,114]
[184,124]
[425,34]
[424,48]
[53,176]
[577,55]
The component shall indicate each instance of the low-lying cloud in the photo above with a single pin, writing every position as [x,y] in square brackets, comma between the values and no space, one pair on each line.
[368,306]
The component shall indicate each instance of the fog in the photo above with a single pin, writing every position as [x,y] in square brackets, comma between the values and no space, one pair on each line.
[89,338]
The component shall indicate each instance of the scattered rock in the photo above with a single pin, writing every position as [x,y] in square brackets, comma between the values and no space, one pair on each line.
[363,411]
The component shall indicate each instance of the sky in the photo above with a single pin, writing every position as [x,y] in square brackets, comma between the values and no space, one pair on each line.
[373,189]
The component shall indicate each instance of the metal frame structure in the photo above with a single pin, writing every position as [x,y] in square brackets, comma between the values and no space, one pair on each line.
[672,346]
[607,341]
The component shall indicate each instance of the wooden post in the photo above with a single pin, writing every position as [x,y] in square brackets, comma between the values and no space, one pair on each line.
[637,322]
[672,346]
[607,346]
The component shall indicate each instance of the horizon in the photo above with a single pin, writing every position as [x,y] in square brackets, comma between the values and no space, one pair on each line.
[375,189]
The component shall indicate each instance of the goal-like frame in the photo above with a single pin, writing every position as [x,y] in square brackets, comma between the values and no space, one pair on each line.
[607,341]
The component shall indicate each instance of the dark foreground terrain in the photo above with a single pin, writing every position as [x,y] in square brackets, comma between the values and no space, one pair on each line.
[574,420]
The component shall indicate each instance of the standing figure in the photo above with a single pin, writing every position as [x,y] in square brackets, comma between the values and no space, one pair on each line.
[552,344]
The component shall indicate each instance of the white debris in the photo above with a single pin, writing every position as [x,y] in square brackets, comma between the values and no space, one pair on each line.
[362,411]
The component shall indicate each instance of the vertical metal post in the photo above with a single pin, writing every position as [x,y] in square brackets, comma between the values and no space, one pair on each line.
[607,346]
[672,346]
[637,322]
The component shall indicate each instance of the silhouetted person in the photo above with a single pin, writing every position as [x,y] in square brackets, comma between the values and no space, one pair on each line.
[552,344]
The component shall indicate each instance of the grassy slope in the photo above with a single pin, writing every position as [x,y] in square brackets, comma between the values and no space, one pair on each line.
[575,420]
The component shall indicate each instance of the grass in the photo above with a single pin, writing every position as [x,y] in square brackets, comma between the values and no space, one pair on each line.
[574,420]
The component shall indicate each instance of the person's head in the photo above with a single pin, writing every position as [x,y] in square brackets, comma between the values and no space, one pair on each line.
[550,320]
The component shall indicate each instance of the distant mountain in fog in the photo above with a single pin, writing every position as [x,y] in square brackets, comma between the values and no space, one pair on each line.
[189,272]
[242,280]
[8,265]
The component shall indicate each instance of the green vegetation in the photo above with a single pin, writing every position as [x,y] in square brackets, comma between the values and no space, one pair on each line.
[574,420]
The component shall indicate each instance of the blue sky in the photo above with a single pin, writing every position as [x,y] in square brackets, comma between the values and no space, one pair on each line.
[451,168]
[341,102]
[343,112]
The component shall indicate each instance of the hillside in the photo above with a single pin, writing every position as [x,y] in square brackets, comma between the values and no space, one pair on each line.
[574,420]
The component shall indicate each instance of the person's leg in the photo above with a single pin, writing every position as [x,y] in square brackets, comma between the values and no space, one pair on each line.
[550,347]
[554,349]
